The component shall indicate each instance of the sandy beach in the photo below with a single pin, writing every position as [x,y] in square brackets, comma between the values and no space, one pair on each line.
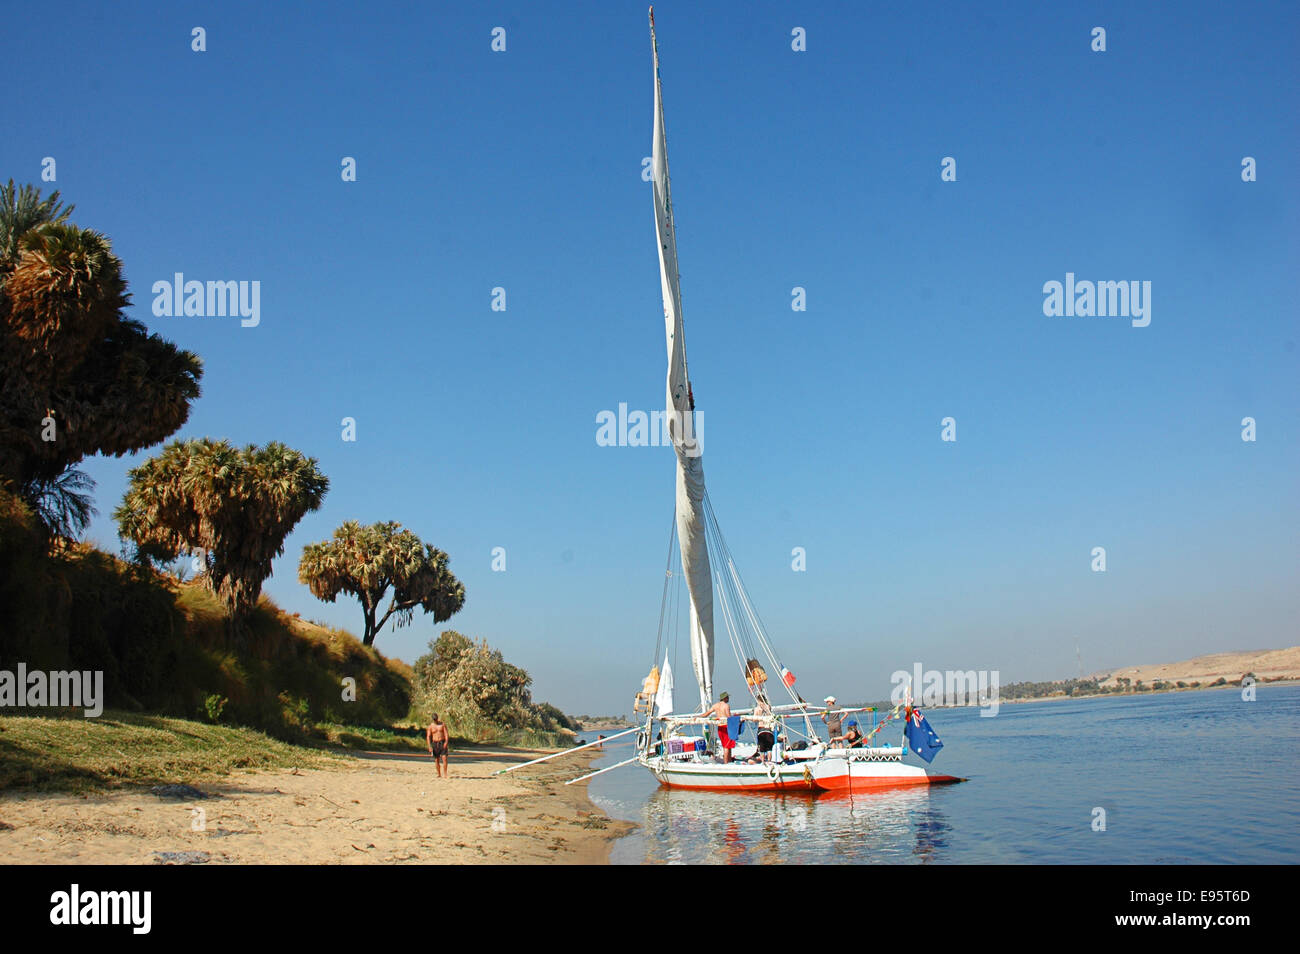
[376,808]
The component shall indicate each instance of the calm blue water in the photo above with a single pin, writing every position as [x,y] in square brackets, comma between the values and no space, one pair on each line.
[1187,777]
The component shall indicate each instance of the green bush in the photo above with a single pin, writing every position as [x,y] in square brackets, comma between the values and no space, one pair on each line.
[482,697]
[213,705]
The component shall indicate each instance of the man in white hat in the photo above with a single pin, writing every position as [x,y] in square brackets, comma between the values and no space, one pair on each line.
[833,718]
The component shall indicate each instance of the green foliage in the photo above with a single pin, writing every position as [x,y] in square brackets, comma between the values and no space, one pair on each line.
[482,697]
[21,210]
[232,506]
[287,675]
[553,719]
[1086,687]
[165,647]
[54,753]
[214,705]
[28,615]
[373,738]
[82,609]
[444,656]
[1038,690]
[71,361]
[63,503]
[295,716]
[366,561]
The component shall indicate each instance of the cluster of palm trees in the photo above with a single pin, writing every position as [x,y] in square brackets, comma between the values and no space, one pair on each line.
[78,377]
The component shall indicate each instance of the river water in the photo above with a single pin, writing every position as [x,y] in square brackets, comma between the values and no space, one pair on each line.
[1179,778]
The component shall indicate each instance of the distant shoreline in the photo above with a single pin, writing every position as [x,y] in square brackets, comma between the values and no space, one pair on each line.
[1118,695]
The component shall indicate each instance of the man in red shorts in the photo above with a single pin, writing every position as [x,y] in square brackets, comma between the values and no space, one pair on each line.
[721,710]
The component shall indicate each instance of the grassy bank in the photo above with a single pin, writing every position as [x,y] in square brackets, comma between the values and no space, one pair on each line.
[191,697]
[61,751]
[69,753]
[164,647]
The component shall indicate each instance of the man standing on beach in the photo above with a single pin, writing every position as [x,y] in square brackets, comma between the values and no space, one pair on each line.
[438,739]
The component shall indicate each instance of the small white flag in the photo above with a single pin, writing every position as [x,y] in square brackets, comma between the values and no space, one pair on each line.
[664,697]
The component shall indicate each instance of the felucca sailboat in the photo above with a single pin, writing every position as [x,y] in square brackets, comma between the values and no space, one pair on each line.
[685,751]
[689,750]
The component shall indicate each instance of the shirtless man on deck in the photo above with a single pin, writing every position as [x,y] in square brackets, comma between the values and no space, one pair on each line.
[721,710]
[438,738]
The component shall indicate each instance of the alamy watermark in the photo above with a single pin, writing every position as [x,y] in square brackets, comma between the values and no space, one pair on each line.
[1087,299]
[624,428]
[38,689]
[952,687]
[128,908]
[194,299]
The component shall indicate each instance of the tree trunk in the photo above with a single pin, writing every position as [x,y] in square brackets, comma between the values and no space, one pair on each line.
[368,639]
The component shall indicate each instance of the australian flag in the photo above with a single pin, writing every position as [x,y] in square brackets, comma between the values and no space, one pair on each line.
[923,739]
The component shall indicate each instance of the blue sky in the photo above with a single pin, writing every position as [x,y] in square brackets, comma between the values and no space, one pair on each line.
[818,169]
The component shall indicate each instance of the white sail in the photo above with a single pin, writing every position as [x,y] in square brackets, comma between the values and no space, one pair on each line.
[681,413]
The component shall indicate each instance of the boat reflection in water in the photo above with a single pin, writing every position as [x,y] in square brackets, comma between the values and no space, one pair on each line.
[897,825]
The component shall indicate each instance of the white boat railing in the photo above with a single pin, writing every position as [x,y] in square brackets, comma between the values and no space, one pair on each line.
[752,713]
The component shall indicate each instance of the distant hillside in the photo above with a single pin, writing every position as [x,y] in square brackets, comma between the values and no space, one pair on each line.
[1267,665]
[1203,672]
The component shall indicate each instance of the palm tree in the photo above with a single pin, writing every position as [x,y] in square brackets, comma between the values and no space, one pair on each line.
[366,561]
[231,506]
[66,290]
[21,210]
[62,504]
[77,377]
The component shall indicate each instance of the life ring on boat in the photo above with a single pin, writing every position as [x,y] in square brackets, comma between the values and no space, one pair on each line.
[641,740]
[772,771]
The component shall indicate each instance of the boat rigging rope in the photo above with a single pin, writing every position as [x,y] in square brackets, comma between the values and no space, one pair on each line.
[745,631]
[736,602]
[663,603]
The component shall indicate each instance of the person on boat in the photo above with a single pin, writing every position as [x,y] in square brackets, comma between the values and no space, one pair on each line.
[766,742]
[852,738]
[721,710]
[765,723]
[833,718]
